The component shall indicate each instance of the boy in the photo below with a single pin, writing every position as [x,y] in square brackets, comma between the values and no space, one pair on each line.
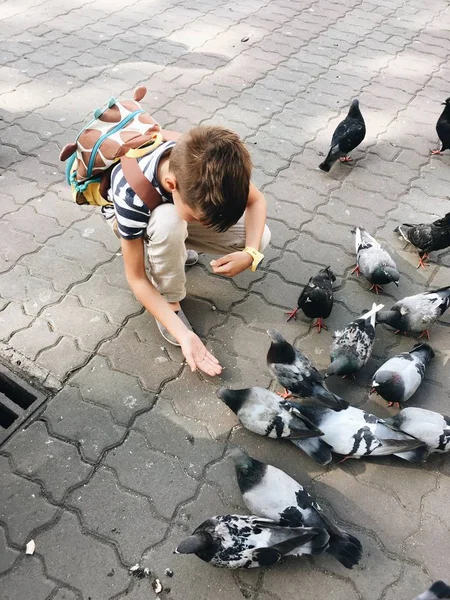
[201,190]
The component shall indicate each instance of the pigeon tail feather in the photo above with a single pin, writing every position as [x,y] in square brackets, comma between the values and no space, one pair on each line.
[315,448]
[345,548]
[440,589]
[416,457]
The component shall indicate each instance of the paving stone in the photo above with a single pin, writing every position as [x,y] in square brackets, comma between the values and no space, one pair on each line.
[412,581]
[13,245]
[218,290]
[152,474]
[60,271]
[12,318]
[28,573]
[35,293]
[7,555]
[120,520]
[418,546]
[55,464]
[114,272]
[34,339]
[85,424]
[94,560]
[65,213]
[63,358]
[23,507]
[95,228]
[64,594]
[85,252]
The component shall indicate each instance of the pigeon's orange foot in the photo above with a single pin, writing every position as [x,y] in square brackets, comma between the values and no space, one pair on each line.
[398,331]
[356,270]
[396,404]
[285,395]
[376,288]
[320,325]
[425,333]
[422,262]
[353,376]
[437,151]
[344,459]
[292,314]
[346,159]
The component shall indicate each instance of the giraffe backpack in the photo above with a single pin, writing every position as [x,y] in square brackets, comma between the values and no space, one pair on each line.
[120,131]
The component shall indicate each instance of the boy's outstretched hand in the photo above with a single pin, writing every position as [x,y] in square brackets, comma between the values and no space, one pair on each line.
[197,356]
[231,264]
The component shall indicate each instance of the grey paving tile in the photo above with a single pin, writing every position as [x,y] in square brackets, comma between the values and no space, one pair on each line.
[7,555]
[28,574]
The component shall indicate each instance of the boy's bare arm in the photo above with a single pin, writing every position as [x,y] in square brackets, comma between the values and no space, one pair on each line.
[169,136]
[192,347]
[255,220]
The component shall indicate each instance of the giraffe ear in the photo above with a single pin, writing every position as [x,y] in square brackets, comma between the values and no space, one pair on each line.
[67,151]
[139,93]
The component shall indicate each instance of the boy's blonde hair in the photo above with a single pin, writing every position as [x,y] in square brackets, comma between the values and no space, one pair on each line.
[212,168]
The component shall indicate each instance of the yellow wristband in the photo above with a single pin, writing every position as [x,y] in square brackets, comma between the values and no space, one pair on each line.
[257,257]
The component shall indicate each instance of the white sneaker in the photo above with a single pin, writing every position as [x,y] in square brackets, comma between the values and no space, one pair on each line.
[191,258]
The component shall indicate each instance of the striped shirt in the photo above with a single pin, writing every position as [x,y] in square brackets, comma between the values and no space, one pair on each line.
[131,213]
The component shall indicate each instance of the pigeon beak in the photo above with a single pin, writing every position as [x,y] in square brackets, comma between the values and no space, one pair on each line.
[372,391]
[396,283]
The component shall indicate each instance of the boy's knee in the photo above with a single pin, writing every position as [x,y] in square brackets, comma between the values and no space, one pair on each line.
[265,239]
[165,225]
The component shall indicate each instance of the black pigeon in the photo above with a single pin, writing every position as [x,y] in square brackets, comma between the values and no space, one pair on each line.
[415,314]
[439,589]
[373,261]
[272,493]
[443,128]
[316,299]
[427,237]
[235,541]
[352,347]
[355,433]
[265,413]
[296,373]
[347,136]
[428,426]
[400,376]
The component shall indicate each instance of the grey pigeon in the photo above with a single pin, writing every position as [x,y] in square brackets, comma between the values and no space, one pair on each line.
[443,128]
[417,313]
[316,299]
[439,589]
[400,376]
[347,136]
[237,541]
[427,237]
[428,426]
[296,373]
[373,261]
[355,433]
[272,493]
[265,413]
[352,346]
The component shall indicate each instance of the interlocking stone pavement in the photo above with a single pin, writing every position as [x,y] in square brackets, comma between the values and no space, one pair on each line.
[130,454]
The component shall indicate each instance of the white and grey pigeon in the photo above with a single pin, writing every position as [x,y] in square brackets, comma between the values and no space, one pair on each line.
[265,413]
[438,590]
[428,426]
[296,373]
[237,541]
[270,492]
[400,376]
[346,137]
[355,433]
[353,345]
[415,314]
[373,261]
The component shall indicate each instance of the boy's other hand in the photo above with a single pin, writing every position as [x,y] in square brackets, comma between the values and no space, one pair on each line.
[231,264]
[197,356]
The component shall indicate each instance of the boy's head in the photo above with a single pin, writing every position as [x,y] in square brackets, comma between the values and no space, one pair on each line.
[211,169]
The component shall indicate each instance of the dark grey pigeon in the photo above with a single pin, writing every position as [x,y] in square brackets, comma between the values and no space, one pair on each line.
[355,433]
[443,128]
[427,237]
[296,373]
[272,493]
[428,426]
[346,137]
[373,261]
[265,413]
[439,589]
[352,346]
[316,299]
[245,542]
[417,313]
[400,376]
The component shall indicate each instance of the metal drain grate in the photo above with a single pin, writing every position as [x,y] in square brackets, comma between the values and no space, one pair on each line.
[18,400]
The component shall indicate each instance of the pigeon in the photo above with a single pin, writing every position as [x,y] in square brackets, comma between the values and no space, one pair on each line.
[428,426]
[347,136]
[400,376]
[355,433]
[316,299]
[271,493]
[265,413]
[427,237]
[417,313]
[439,589]
[373,261]
[296,373]
[443,128]
[235,541]
[352,347]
